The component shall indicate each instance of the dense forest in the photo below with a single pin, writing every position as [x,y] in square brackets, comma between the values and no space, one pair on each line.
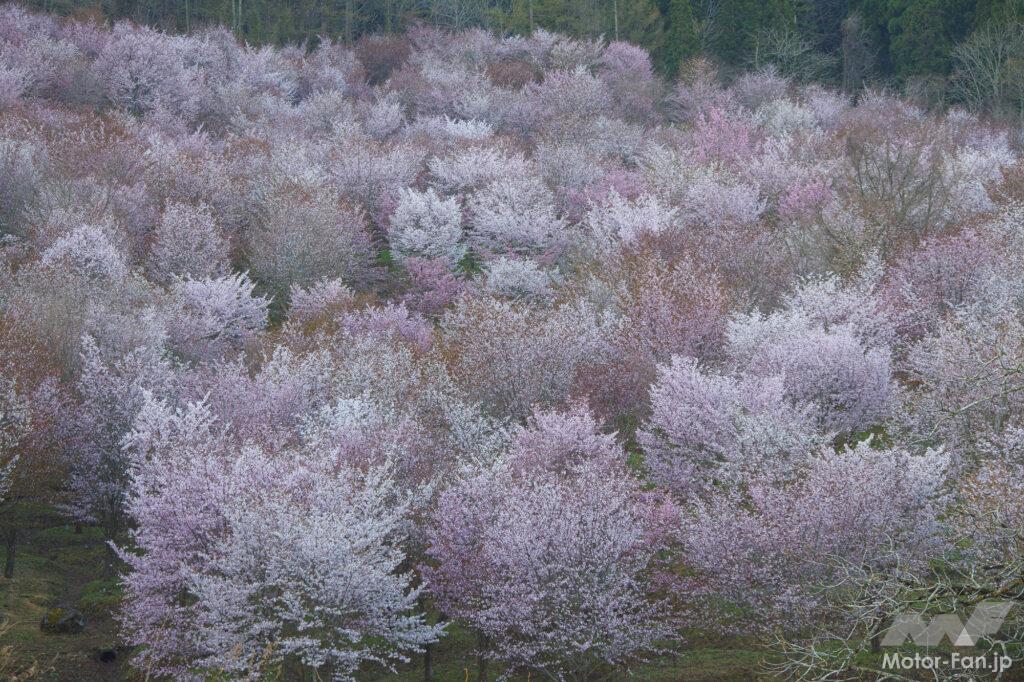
[917,44]
[456,351]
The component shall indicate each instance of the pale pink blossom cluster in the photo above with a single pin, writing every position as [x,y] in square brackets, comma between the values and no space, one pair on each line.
[505,330]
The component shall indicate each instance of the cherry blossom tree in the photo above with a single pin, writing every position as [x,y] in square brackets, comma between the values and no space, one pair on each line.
[188,243]
[326,297]
[215,315]
[616,219]
[708,430]
[716,135]
[627,72]
[512,358]
[667,307]
[849,388]
[432,286]
[110,391]
[515,216]
[980,559]
[518,279]
[34,407]
[314,334]
[776,547]
[300,227]
[967,378]
[427,226]
[475,167]
[391,320]
[87,250]
[15,422]
[251,558]
[943,273]
[831,355]
[555,556]
[145,72]
[301,240]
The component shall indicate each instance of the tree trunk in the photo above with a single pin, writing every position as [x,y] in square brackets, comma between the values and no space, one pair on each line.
[481,660]
[876,631]
[428,663]
[428,649]
[78,527]
[10,541]
[876,642]
[348,22]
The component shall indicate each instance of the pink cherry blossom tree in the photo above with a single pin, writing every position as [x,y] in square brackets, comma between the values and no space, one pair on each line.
[248,559]
[110,390]
[511,358]
[557,556]
[213,316]
[427,226]
[776,547]
[188,243]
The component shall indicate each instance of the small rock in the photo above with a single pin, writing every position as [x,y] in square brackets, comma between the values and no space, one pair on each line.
[62,620]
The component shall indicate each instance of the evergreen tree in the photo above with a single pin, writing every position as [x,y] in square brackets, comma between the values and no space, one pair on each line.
[924,33]
[735,24]
[553,15]
[999,11]
[876,16]
[732,25]
[820,21]
[639,22]
[681,40]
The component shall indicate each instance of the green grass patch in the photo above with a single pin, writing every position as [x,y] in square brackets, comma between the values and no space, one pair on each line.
[454,662]
[57,567]
[101,596]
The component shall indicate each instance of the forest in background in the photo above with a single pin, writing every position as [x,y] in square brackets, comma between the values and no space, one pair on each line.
[928,48]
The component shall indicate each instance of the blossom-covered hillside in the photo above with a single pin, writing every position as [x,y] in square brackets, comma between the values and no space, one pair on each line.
[345,351]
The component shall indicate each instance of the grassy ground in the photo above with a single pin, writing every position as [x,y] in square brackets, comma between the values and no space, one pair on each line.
[57,568]
[453,663]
